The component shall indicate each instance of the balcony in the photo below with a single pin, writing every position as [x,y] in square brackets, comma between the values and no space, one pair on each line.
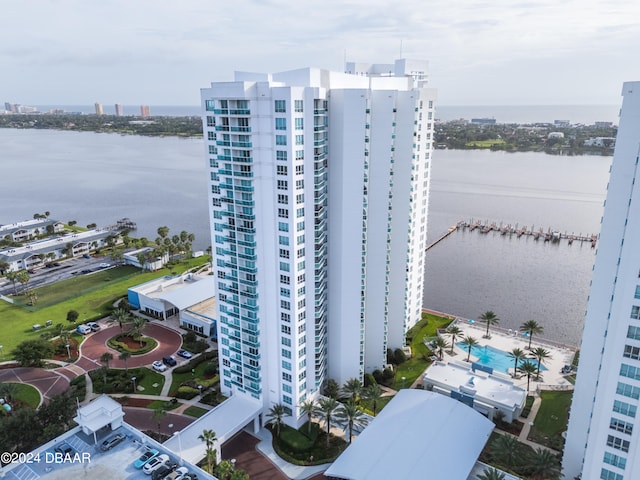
[241,111]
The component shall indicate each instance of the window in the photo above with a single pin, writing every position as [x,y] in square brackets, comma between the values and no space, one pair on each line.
[286,353]
[287,400]
[284,266]
[633,332]
[286,365]
[629,371]
[281,139]
[302,316]
[302,328]
[283,184]
[298,106]
[286,388]
[628,390]
[300,226]
[280,106]
[621,426]
[299,169]
[286,329]
[300,198]
[608,475]
[283,226]
[281,123]
[299,123]
[631,352]
[624,408]
[285,279]
[615,460]
[637,294]
[283,199]
[635,312]
[285,304]
[300,212]
[285,292]
[300,141]
[618,443]
[282,240]
[299,184]
[286,377]
[299,154]
[285,317]
[281,169]
[281,155]
[284,254]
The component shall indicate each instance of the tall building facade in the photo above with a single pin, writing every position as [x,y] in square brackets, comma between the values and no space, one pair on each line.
[145,111]
[99,109]
[318,196]
[119,110]
[603,439]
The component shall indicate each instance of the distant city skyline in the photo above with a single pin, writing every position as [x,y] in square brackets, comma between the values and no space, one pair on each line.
[158,53]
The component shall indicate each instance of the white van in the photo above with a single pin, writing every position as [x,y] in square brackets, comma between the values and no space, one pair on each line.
[83,329]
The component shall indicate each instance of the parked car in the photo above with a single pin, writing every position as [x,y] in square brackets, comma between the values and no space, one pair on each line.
[86,255]
[145,458]
[155,463]
[83,329]
[64,448]
[169,361]
[111,442]
[184,354]
[177,474]
[93,326]
[163,471]
[159,366]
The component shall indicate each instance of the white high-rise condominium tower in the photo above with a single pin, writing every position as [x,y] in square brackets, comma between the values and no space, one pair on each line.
[603,440]
[318,199]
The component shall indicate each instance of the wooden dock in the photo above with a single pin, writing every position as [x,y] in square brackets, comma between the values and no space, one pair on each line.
[552,236]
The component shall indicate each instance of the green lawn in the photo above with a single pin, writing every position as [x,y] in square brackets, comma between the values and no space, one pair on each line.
[552,419]
[26,394]
[164,405]
[194,411]
[151,377]
[178,378]
[91,296]
[485,143]
[415,366]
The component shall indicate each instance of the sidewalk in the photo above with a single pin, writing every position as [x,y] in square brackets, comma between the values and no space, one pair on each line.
[295,472]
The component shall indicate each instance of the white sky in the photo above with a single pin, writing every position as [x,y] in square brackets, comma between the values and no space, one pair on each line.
[161,52]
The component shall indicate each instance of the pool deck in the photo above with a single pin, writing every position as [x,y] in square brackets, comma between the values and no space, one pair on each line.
[551,379]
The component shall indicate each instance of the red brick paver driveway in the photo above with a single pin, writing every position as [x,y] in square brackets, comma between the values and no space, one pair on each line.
[48,382]
[169,342]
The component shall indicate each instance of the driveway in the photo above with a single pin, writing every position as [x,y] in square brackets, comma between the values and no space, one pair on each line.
[169,342]
[48,382]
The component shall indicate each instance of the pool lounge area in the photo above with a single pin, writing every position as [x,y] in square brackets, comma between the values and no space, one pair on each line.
[494,358]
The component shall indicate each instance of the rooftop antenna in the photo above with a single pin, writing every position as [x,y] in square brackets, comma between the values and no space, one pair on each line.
[400,49]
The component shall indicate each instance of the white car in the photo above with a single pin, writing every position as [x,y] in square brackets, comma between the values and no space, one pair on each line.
[159,366]
[104,265]
[177,474]
[155,463]
[83,329]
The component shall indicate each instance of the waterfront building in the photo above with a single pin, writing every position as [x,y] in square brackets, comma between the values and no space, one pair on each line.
[144,111]
[604,434]
[99,110]
[318,198]
[119,110]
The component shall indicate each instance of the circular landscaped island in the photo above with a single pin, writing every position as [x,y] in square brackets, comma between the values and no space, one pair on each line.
[135,345]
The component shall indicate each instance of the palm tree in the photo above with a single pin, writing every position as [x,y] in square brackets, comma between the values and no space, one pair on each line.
[326,410]
[158,414]
[209,438]
[469,342]
[528,368]
[373,393]
[308,407]
[453,331]
[540,354]
[543,465]
[276,416]
[352,388]
[531,327]
[105,358]
[349,415]
[440,344]
[505,450]
[121,316]
[331,389]
[124,356]
[517,354]
[491,474]
[137,326]
[489,318]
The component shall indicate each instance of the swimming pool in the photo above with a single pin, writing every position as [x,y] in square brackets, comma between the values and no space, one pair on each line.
[494,358]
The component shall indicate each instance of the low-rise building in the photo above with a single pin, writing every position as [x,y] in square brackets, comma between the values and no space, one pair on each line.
[487,393]
[28,229]
[145,259]
[189,296]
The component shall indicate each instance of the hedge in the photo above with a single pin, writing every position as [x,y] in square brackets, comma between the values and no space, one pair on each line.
[194,362]
[149,344]
[186,393]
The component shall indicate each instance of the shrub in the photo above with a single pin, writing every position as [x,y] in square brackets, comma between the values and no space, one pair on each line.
[377,375]
[147,342]
[190,337]
[369,379]
[79,387]
[194,362]
[210,369]
[186,393]
[399,356]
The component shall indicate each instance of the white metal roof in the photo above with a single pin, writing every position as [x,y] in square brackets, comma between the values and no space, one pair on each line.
[225,420]
[419,434]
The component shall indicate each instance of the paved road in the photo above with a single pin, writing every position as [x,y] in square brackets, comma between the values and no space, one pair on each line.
[242,447]
[142,419]
[48,382]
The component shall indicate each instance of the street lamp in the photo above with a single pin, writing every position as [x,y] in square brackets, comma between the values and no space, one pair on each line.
[177,434]
[133,379]
[200,389]
[68,351]
[403,379]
